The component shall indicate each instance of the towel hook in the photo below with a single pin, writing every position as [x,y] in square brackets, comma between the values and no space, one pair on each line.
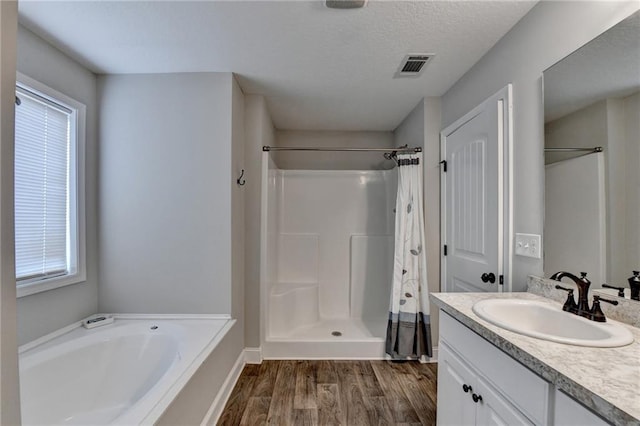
[241,181]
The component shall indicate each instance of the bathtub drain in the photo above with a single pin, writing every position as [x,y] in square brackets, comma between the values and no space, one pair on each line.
[336,333]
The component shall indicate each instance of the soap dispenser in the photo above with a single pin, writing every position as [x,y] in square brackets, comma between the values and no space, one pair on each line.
[634,284]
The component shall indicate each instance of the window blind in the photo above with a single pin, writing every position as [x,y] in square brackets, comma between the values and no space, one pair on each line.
[42,138]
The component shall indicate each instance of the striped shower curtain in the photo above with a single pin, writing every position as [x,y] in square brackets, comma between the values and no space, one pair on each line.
[409,326]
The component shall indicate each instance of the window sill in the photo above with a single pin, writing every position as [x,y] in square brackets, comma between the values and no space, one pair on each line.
[34,287]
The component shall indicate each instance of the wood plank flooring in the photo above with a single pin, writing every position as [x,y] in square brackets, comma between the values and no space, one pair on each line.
[349,393]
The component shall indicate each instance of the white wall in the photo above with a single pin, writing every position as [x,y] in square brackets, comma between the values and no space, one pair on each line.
[259,131]
[572,197]
[237,206]
[422,128]
[9,381]
[45,312]
[613,124]
[585,128]
[166,182]
[549,32]
[623,190]
[172,215]
[575,217]
[333,160]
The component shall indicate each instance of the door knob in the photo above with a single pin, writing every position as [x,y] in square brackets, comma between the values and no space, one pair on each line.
[488,278]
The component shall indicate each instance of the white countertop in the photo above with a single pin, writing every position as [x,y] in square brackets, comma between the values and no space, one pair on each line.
[607,380]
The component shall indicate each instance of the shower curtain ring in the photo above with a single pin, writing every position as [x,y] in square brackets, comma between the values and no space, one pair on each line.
[241,181]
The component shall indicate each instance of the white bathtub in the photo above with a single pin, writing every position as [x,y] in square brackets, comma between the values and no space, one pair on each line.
[124,373]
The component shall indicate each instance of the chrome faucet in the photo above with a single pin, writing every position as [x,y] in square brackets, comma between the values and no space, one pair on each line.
[583,291]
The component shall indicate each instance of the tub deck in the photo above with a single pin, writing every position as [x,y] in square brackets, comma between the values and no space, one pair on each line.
[127,372]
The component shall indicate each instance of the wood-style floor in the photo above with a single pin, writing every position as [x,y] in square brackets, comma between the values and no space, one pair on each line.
[349,393]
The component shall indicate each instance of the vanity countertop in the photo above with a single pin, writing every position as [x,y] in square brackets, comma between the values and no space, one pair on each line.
[607,380]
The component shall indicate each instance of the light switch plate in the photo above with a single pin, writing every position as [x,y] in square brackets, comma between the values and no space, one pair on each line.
[528,245]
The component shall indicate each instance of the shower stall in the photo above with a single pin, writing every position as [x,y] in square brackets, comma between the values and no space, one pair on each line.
[326,259]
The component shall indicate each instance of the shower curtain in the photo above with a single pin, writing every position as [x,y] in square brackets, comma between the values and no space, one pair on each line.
[409,326]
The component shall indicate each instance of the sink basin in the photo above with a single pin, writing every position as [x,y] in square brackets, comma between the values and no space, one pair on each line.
[547,322]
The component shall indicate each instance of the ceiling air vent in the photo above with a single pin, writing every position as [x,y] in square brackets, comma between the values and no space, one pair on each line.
[413,65]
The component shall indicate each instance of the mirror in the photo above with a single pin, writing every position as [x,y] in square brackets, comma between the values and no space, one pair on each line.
[592,158]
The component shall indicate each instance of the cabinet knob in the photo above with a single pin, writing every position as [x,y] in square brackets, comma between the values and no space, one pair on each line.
[476,398]
[466,388]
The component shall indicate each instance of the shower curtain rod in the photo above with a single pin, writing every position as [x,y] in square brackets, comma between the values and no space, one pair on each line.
[293,148]
[596,149]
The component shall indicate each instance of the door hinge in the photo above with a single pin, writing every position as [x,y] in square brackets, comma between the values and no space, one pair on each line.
[444,165]
[445,249]
[501,280]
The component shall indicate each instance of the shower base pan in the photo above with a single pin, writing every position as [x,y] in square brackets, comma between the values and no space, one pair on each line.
[352,338]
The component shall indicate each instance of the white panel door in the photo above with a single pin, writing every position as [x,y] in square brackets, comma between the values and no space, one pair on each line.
[473,199]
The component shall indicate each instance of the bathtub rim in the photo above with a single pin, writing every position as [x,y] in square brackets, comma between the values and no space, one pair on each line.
[169,395]
[68,328]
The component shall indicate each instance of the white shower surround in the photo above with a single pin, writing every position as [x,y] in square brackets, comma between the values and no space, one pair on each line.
[327,259]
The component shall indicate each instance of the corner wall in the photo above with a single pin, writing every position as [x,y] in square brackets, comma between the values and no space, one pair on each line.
[237,207]
[549,32]
[42,313]
[9,380]
[166,189]
[259,131]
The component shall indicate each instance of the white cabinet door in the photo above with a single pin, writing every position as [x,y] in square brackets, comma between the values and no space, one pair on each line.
[455,406]
[494,410]
[459,408]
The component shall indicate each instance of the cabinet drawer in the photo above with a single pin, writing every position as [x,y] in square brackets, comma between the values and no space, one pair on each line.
[519,385]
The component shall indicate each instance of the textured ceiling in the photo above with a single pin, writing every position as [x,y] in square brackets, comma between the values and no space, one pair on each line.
[606,67]
[319,68]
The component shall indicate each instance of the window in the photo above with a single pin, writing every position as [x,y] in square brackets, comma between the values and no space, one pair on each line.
[49,232]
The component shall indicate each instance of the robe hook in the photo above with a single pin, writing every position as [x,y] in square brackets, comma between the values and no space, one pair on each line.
[241,181]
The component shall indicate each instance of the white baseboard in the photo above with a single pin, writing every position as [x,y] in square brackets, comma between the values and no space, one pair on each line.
[253,355]
[215,411]
[295,350]
[372,349]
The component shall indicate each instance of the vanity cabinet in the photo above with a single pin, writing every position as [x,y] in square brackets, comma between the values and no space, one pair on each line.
[464,398]
[480,384]
[570,412]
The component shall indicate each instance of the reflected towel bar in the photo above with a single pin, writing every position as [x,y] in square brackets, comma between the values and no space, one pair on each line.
[596,149]
[582,151]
